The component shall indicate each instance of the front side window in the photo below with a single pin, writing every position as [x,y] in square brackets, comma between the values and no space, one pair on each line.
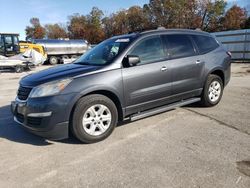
[205,43]
[105,52]
[149,50]
[179,46]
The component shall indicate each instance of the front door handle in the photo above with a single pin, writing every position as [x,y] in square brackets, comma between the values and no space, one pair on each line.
[197,62]
[164,69]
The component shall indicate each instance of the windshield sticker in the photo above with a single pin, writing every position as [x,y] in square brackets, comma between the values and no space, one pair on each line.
[122,40]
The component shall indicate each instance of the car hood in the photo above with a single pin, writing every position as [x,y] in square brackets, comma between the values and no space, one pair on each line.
[56,73]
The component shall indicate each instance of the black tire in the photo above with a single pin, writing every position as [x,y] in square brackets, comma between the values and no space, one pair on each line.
[53,60]
[30,66]
[205,99]
[18,69]
[81,107]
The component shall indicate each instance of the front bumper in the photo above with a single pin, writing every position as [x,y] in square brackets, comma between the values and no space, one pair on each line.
[47,116]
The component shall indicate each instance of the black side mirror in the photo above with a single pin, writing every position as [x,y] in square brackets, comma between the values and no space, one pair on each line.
[133,60]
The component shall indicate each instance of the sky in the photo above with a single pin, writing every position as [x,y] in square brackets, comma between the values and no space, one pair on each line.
[15,14]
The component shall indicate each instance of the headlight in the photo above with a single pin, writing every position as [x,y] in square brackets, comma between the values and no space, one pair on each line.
[50,88]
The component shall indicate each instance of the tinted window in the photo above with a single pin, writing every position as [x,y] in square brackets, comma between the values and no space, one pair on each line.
[149,50]
[15,39]
[179,46]
[8,43]
[205,43]
[1,45]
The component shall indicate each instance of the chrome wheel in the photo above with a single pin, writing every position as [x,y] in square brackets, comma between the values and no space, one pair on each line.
[214,91]
[96,120]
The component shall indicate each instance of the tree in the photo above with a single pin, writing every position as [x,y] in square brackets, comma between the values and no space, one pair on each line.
[95,34]
[77,26]
[55,31]
[209,15]
[35,31]
[108,26]
[160,12]
[87,27]
[137,20]
[120,22]
[235,18]
[212,13]
[173,13]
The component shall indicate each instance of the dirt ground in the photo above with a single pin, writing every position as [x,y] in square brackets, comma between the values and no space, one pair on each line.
[186,147]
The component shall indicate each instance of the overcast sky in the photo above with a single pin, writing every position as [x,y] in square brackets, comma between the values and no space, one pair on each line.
[15,14]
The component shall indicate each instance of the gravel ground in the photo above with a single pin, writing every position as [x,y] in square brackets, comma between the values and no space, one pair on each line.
[186,147]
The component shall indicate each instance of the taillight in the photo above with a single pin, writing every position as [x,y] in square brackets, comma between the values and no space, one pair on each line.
[229,53]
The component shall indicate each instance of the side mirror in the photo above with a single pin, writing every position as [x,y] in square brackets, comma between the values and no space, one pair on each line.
[133,60]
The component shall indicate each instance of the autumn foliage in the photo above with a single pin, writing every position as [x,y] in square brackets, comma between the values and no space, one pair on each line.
[208,15]
[235,18]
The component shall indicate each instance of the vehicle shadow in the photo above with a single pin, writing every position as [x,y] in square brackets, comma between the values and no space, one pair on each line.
[194,105]
[10,130]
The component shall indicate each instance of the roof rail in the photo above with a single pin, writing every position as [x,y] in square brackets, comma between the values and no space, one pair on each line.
[147,29]
[161,28]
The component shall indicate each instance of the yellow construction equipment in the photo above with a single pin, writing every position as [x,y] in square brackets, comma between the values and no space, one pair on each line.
[25,45]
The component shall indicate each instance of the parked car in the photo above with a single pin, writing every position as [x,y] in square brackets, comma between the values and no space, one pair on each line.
[125,77]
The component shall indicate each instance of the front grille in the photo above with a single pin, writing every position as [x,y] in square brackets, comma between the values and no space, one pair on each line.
[20,117]
[23,92]
[34,121]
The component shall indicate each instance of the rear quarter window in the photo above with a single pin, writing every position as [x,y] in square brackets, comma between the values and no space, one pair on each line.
[205,44]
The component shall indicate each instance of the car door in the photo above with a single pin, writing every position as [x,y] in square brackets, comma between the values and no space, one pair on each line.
[149,82]
[187,67]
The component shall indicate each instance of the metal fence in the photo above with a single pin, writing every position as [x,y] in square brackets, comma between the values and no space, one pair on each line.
[237,42]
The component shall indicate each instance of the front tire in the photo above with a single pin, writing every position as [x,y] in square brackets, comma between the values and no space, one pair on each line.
[94,118]
[212,91]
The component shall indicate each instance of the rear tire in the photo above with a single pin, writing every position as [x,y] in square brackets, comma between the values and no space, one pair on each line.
[53,60]
[94,118]
[212,91]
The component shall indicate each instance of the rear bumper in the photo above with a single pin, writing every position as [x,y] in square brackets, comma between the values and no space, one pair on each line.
[47,117]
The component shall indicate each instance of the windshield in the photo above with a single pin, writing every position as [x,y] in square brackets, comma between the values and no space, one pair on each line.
[105,52]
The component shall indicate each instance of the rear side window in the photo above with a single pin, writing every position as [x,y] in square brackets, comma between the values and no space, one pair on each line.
[149,50]
[179,46]
[205,43]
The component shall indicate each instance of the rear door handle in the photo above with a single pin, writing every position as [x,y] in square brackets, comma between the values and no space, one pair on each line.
[164,69]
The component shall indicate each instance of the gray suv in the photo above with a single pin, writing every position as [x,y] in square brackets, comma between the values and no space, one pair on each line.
[125,77]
